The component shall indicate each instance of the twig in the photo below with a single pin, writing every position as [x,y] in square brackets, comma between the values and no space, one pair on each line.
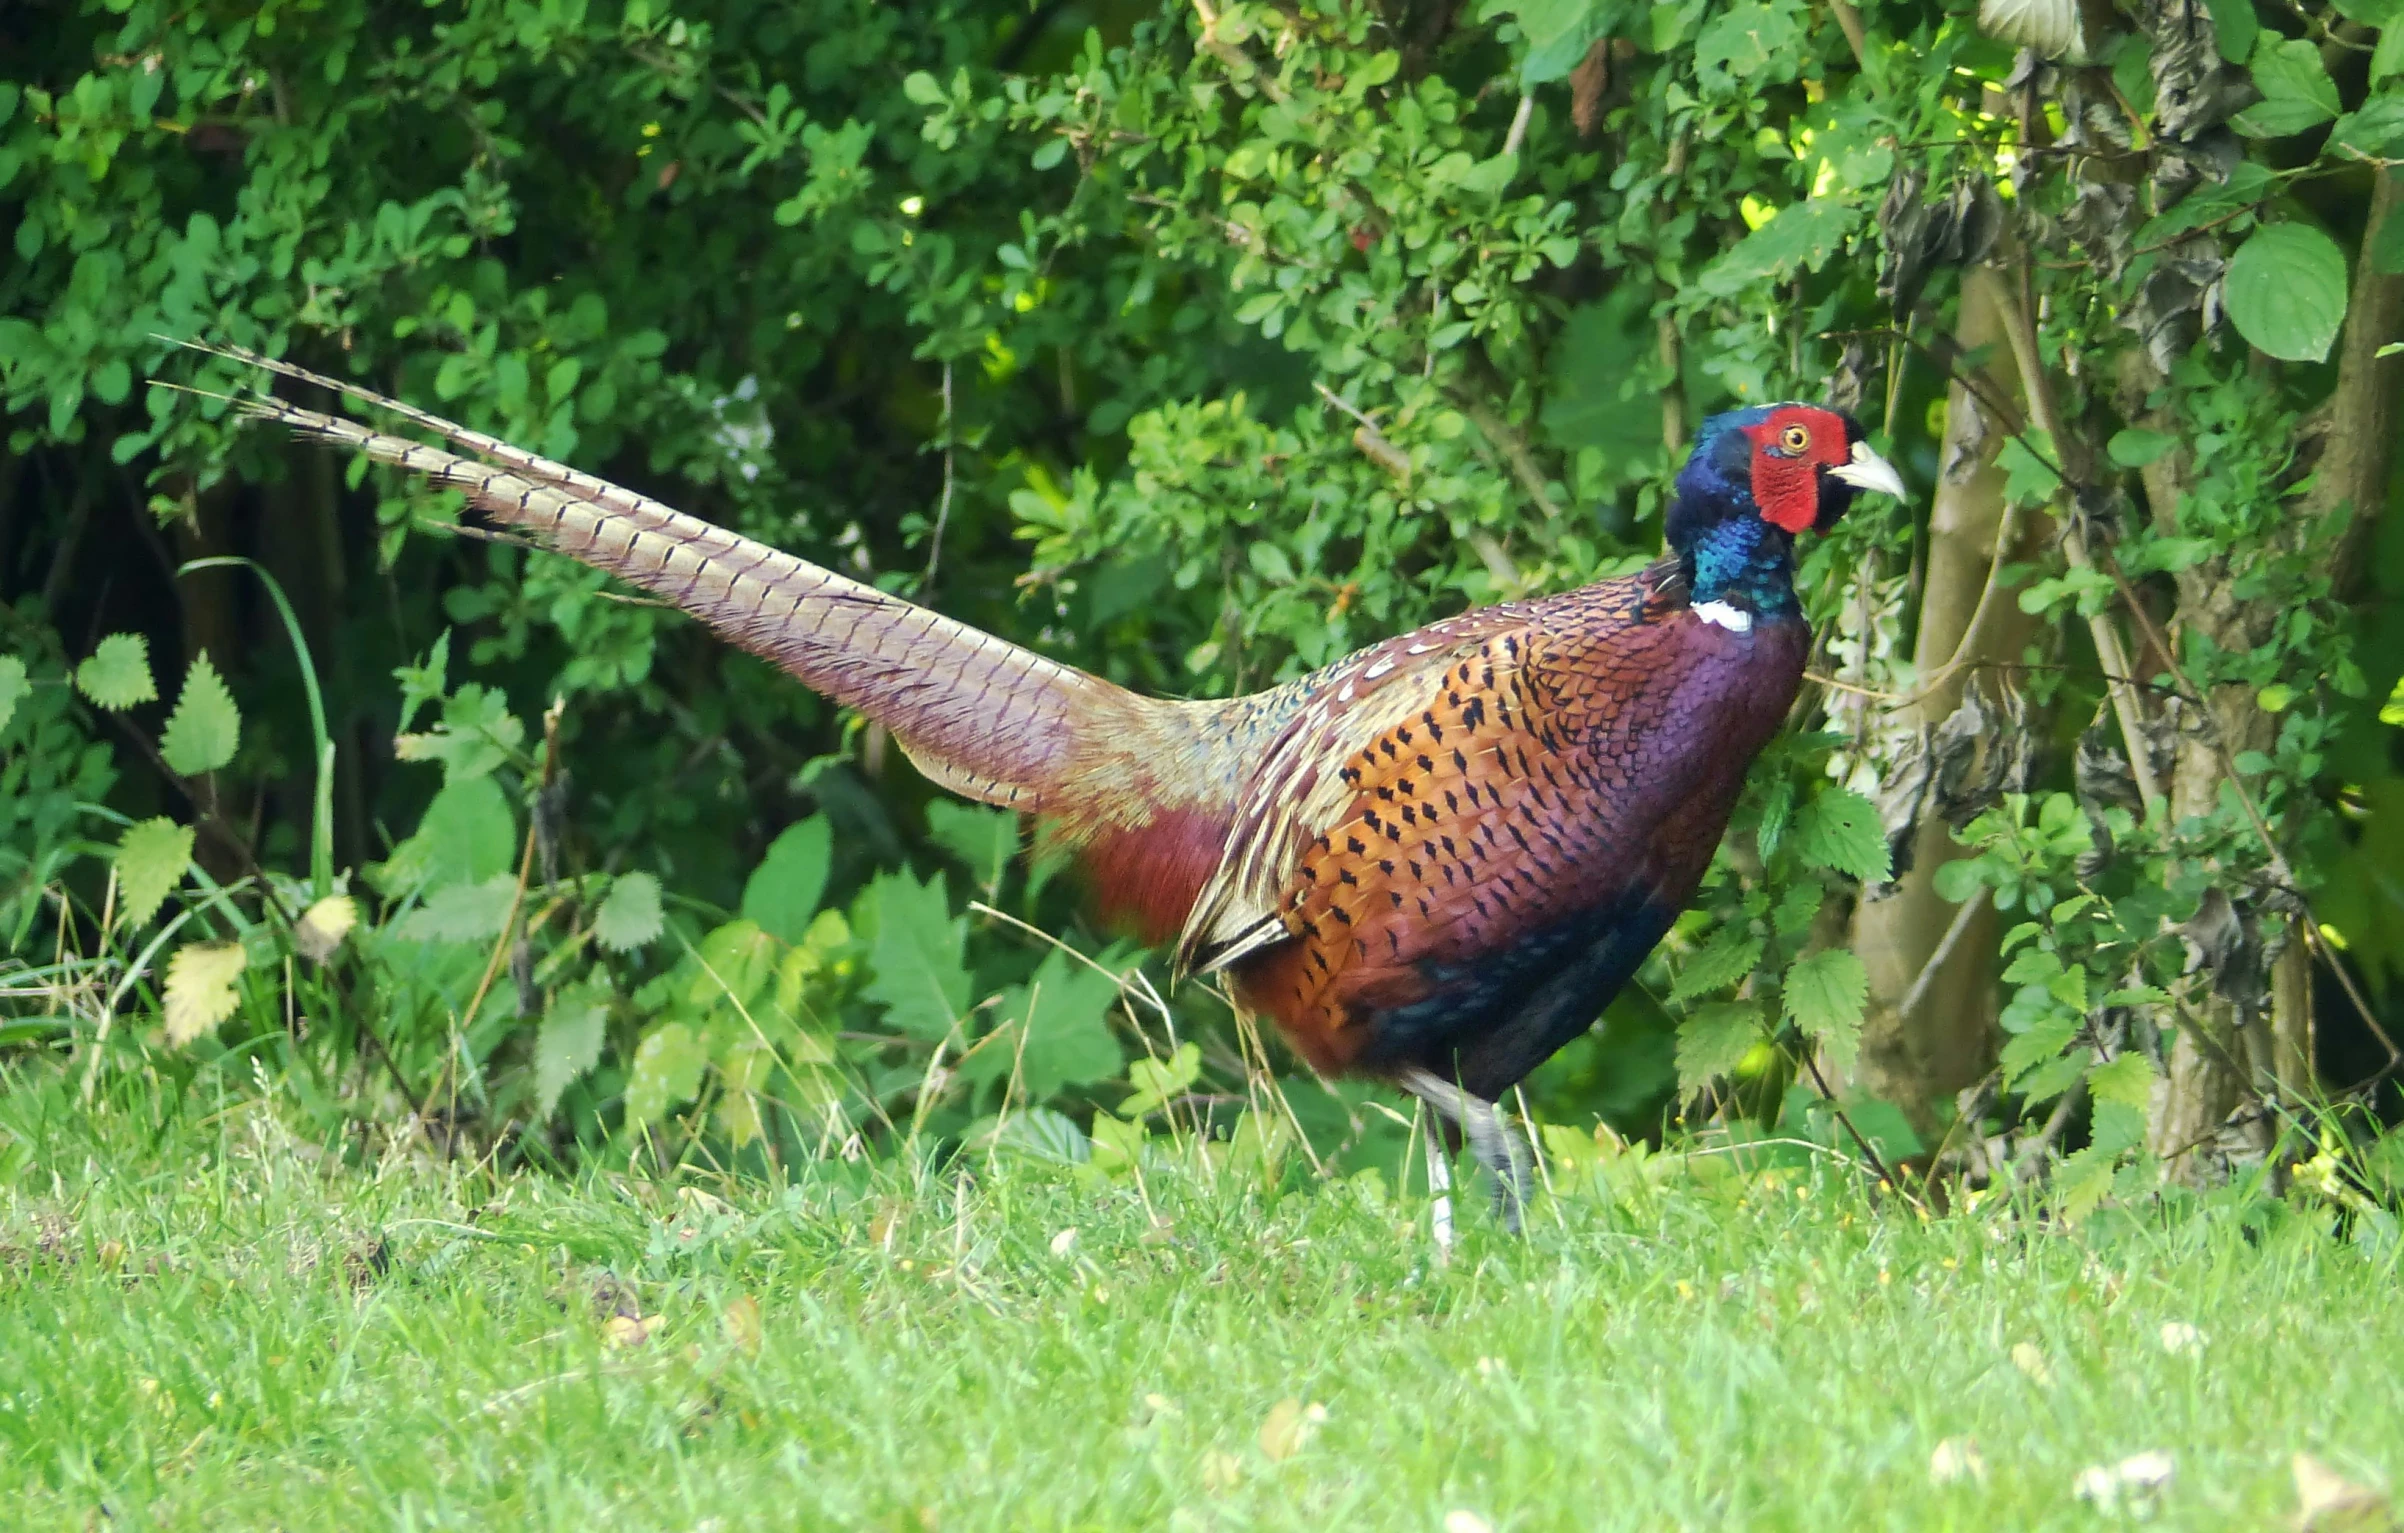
[1519,124]
[1944,950]
[943,508]
[517,899]
[1848,20]
[1869,1151]
[2020,327]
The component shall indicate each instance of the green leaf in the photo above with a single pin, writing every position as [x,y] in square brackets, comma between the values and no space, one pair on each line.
[2376,131]
[2297,92]
[984,839]
[922,89]
[783,891]
[736,961]
[2135,447]
[13,687]
[2029,480]
[2127,1078]
[1746,45]
[117,676]
[1558,33]
[1714,1041]
[918,976]
[1801,237]
[1824,993]
[151,860]
[569,1043]
[1055,1028]
[1728,957]
[1605,385]
[2287,291]
[666,1074]
[1044,1134]
[629,915]
[202,989]
[1840,829]
[2387,60]
[467,833]
[205,728]
[2234,28]
[462,912]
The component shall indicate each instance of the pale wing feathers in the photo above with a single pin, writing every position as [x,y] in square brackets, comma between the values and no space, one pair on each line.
[1298,793]
[983,717]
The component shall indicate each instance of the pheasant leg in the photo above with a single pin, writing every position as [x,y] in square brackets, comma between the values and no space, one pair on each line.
[1491,1140]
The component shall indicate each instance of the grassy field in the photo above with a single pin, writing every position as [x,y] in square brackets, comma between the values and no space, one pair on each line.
[221,1326]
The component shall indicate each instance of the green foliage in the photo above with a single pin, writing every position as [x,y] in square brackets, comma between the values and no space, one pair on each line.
[2287,291]
[1194,352]
[630,915]
[205,728]
[151,860]
[117,676]
[781,895]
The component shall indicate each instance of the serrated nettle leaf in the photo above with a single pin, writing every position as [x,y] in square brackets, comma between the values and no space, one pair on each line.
[2034,965]
[2127,1078]
[117,676]
[2038,1044]
[2051,1077]
[1824,995]
[1728,957]
[2070,988]
[13,687]
[205,729]
[2286,291]
[151,859]
[202,989]
[568,1044]
[1840,829]
[630,914]
[321,928]
[783,891]
[1714,1040]
[1798,906]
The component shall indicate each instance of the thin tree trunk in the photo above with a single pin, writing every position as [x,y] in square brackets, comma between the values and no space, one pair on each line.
[2226,1056]
[1920,1060]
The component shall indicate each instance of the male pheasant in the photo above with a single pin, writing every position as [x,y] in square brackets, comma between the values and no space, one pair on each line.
[1432,862]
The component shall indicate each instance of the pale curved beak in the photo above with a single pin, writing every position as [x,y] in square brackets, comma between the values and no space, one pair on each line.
[1868,471]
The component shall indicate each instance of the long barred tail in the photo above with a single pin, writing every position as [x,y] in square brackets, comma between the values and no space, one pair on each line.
[983,717]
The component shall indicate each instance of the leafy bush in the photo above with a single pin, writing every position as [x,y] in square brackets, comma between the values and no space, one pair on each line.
[1196,346]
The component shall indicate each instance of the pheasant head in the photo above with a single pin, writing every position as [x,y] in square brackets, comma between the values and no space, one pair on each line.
[1755,479]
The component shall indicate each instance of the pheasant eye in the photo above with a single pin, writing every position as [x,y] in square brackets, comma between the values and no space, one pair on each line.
[1794,439]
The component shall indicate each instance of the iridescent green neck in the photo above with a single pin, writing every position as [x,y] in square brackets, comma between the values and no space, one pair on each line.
[1743,561]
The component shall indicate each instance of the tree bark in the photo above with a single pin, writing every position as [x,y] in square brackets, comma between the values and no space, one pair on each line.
[2226,1056]
[1919,1061]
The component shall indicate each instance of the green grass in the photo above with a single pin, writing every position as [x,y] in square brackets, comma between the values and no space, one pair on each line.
[218,1326]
